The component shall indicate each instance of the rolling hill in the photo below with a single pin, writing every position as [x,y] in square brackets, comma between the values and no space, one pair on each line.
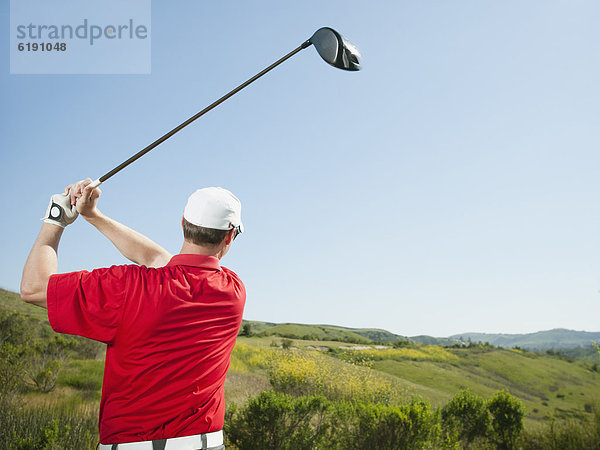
[558,339]
[323,332]
[542,340]
[550,385]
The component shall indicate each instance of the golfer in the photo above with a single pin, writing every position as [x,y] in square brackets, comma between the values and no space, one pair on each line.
[169,322]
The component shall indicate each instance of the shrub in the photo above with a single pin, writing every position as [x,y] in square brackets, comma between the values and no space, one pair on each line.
[15,328]
[573,435]
[506,419]
[274,420]
[10,370]
[361,425]
[466,416]
[31,351]
[43,361]
[47,428]
[84,348]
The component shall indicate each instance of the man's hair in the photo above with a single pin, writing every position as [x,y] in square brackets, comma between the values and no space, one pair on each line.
[202,235]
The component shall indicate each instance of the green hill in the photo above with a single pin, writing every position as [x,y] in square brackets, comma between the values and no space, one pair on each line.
[10,301]
[542,340]
[322,332]
[550,385]
[558,339]
[430,340]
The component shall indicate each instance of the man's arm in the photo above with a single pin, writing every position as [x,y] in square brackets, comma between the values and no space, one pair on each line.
[40,265]
[133,245]
[42,261]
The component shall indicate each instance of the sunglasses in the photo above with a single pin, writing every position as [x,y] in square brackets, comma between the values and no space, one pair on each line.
[238,231]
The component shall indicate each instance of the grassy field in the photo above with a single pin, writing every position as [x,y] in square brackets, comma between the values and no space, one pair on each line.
[551,387]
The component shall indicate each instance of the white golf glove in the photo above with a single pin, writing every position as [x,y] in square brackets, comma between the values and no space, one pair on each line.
[60,212]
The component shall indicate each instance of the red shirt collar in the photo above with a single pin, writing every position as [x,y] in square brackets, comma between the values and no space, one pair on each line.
[206,262]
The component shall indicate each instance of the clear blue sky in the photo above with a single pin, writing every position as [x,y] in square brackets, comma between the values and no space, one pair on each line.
[451,186]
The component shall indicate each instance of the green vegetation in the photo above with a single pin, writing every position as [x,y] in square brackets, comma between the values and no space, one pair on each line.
[274,420]
[313,332]
[576,344]
[465,418]
[542,340]
[337,389]
[47,427]
[48,399]
[321,332]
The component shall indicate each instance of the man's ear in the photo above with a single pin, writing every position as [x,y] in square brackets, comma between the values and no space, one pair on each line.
[229,237]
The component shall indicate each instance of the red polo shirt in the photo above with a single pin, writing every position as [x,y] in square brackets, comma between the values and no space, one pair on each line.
[170,332]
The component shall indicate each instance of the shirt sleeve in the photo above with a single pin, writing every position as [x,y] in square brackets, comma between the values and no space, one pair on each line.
[88,304]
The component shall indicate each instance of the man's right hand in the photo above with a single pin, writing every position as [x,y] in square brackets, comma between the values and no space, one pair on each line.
[85,198]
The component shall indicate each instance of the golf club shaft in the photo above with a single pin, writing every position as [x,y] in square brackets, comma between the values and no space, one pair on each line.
[160,140]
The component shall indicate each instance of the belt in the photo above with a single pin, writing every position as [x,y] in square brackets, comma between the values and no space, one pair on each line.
[196,442]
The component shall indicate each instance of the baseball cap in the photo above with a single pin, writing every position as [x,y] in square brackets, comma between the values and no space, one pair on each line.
[214,207]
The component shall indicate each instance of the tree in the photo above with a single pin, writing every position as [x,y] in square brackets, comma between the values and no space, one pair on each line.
[506,419]
[247,329]
[467,416]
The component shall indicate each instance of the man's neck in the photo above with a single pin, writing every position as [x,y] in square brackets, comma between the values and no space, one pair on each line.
[190,248]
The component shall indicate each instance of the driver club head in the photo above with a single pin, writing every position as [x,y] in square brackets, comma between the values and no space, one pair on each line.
[336,50]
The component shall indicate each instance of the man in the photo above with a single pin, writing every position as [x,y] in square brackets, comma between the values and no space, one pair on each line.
[170,323]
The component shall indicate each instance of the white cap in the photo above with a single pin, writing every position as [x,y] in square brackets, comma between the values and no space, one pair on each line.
[214,207]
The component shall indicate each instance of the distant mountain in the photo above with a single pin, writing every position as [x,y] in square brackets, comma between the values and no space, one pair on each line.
[558,338]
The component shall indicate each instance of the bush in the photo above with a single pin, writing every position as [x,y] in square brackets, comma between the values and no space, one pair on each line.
[274,420]
[47,428]
[362,425]
[10,370]
[43,361]
[574,435]
[246,329]
[84,348]
[506,419]
[32,352]
[466,416]
[15,328]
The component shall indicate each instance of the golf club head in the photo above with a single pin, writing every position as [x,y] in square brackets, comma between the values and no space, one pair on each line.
[336,50]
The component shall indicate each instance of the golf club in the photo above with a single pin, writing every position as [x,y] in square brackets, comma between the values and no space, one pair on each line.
[332,47]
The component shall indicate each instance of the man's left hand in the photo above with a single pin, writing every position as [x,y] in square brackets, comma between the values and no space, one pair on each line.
[60,211]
